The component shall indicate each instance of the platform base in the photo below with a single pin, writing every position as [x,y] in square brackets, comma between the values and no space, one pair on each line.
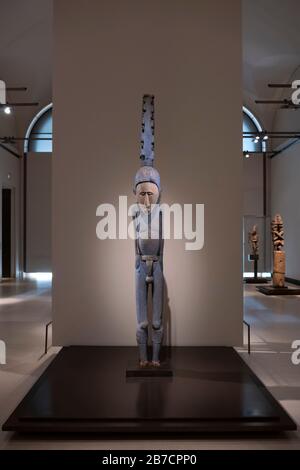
[256,280]
[85,390]
[270,290]
[134,370]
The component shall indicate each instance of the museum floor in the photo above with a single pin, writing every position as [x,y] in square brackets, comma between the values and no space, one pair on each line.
[25,309]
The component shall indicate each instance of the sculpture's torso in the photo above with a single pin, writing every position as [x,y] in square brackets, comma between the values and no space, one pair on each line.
[148,233]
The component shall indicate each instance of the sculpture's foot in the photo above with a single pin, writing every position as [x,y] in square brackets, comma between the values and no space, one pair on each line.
[155,363]
[144,363]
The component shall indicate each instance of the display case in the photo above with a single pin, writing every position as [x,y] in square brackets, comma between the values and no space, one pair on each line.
[264,259]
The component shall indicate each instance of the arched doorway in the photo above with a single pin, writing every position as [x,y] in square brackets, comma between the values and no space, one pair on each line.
[37,195]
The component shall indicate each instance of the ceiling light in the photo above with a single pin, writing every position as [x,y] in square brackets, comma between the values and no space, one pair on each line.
[247,155]
[7,110]
[266,137]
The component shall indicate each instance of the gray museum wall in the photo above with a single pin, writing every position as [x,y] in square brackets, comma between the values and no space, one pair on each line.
[10,178]
[253,190]
[253,209]
[38,212]
[106,56]
[285,171]
[10,169]
[253,185]
[285,187]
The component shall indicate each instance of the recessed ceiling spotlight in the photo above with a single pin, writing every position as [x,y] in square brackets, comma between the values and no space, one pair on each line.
[7,110]
[266,137]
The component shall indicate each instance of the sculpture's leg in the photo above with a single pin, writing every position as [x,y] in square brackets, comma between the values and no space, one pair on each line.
[157,306]
[141,311]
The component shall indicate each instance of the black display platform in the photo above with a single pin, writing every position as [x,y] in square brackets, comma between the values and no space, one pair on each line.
[84,389]
[257,280]
[270,290]
[134,370]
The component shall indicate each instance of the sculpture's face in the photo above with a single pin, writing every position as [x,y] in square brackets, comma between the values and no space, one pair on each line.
[147,194]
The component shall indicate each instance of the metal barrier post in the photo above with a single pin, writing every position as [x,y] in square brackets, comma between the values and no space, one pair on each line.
[46,336]
[249,339]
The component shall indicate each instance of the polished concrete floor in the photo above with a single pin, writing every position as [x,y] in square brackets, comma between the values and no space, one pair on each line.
[25,308]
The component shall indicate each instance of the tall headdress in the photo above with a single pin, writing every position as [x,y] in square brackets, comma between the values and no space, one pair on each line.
[147,173]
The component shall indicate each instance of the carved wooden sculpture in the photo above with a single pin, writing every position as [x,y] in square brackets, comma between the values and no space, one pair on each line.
[149,243]
[253,240]
[278,253]
[278,287]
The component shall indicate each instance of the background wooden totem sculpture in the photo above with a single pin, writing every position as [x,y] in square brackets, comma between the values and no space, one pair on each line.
[278,287]
[278,253]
